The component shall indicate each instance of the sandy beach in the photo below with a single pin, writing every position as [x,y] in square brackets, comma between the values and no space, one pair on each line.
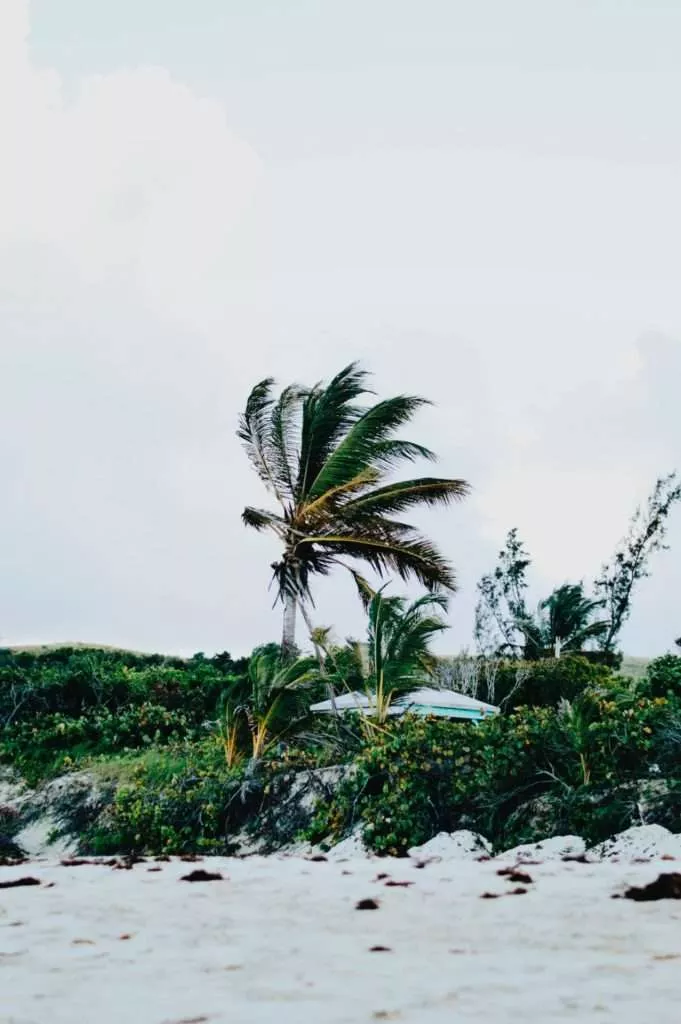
[282,939]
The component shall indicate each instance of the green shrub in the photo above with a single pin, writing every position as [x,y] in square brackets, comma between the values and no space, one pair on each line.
[513,778]
[184,799]
[663,677]
[72,681]
[51,743]
[174,802]
[593,812]
[414,779]
[545,683]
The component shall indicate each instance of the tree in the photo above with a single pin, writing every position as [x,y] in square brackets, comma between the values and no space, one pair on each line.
[501,601]
[399,656]
[629,564]
[269,705]
[326,460]
[565,622]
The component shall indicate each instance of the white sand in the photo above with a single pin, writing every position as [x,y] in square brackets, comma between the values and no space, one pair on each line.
[281,941]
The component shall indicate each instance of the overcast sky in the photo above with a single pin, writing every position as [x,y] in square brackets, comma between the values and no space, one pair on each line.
[481,201]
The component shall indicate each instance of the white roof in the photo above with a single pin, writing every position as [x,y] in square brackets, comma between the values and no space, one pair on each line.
[446,699]
[350,702]
[423,696]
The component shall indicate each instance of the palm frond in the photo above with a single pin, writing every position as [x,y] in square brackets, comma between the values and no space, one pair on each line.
[325,457]
[364,589]
[408,555]
[389,453]
[567,616]
[327,414]
[281,445]
[410,644]
[253,431]
[411,647]
[406,493]
[592,631]
[261,519]
[270,676]
[399,639]
[308,511]
[357,450]
[427,603]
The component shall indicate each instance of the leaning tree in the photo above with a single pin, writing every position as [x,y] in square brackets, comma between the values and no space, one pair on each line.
[328,461]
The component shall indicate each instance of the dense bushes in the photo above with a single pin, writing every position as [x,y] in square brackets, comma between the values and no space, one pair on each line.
[544,683]
[514,683]
[663,677]
[407,786]
[52,743]
[59,706]
[576,750]
[514,778]
[186,800]
[175,802]
[69,681]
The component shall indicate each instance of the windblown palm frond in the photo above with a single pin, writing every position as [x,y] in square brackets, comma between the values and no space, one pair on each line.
[357,449]
[397,497]
[254,430]
[262,519]
[327,414]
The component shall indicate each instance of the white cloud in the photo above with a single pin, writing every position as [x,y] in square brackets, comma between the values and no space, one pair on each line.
[136,180]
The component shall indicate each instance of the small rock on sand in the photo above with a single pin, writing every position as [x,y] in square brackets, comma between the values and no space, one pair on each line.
[641,842]
[554,848]
[350,848]
[445,846]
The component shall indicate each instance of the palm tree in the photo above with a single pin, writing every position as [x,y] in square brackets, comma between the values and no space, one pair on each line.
[400,634]
[397,657]
[269,705]
[326,460]
[564,622]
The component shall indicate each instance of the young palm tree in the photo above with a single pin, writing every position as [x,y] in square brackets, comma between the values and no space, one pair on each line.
[400,634]
[564,622]
[271,704]
[397,657]
[326,459]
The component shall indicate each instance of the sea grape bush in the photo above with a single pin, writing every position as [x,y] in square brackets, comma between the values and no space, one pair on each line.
[55,742]
[421,776]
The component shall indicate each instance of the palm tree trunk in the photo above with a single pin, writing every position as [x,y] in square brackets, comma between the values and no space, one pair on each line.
[288,637]
[320,658]
[310,628]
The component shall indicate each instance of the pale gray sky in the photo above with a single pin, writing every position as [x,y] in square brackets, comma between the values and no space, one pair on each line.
[480,201]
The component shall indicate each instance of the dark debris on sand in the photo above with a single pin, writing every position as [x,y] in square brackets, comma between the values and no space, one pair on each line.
[367,904]
[514,875]
[15,883]
[665,887]
[202,876]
